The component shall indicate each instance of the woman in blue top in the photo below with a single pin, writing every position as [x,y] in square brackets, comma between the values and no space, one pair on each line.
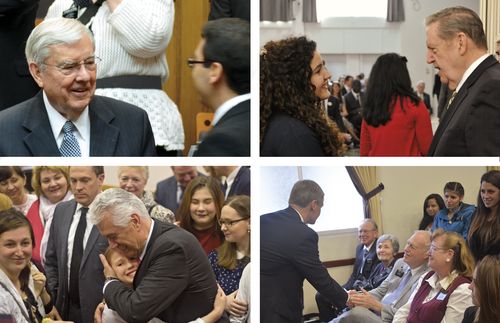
[456,216]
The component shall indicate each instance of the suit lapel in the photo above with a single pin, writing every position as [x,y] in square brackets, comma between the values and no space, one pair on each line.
[103,135]
[144,264]
[94,234]
[457,101]
[40,141]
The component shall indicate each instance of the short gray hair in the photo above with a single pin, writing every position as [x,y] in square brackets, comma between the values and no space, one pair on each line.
[459,19]
[304,192]
[54,31]
[120,203]
[392,238]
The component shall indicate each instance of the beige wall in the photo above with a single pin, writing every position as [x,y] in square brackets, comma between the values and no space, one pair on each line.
[401,204]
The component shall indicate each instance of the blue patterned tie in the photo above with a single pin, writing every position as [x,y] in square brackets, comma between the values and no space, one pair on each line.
[69,146]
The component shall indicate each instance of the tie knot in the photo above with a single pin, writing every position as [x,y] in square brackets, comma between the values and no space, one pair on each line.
[68,127]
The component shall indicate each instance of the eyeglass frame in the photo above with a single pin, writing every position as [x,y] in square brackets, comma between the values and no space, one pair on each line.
[230,224]
[73,68]
[433,248]
[192,61]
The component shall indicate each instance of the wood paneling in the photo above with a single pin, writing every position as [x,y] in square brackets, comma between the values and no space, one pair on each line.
[190,16]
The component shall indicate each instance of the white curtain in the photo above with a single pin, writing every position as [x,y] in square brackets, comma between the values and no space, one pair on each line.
[489,12]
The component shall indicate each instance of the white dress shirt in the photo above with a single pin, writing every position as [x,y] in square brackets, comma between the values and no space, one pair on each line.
[82,125]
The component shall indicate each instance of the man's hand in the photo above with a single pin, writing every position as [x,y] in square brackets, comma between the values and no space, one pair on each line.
[367,300]
[235,307]
[108,271]
[39,280]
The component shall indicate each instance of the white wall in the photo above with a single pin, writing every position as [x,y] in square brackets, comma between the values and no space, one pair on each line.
[401,206]
[351,45]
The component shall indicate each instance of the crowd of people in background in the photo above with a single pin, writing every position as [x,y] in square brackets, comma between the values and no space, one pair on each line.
[383,115]
[63,245]
[440,276]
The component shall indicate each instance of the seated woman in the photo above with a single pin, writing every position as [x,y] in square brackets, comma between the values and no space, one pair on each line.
[432,205]
[229,260]
[387,248]
[133,179]
[485,288]
[199,211]
[12,184]
[443,294]
[51,185]
[484,233]
[457,216]
[125,269]
[22,286]
[395,120]
[293,82]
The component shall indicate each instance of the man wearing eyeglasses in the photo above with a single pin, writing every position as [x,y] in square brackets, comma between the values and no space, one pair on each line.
[289,254]
[221,75]
[66,118]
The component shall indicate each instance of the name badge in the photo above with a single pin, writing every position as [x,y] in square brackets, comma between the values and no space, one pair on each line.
[441,296]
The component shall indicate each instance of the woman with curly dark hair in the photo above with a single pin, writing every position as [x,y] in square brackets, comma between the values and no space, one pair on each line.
[395,120]
[293,81]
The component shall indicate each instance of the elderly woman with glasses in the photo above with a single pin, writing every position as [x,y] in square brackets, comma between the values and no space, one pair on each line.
[133,179]
[443,293]
[229,260]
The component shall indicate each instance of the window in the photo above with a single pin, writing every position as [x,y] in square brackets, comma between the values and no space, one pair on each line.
[343,206]
[351,8]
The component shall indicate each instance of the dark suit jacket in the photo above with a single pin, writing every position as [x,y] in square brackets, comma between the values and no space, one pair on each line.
[354,109]
[370,263]
[116,129]
[17,19]
[285,263]
[241,183]
[230,136]
[470,125]
[287,136]
[166,193]
[174,281]
[56,265]
[229,8]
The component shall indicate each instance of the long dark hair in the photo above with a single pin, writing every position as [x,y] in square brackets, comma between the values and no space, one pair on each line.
[285,86]
[484,219]
[426,218]
[389,82]
[184,212]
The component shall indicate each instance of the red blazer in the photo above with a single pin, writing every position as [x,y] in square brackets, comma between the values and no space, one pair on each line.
[408,133]
[33,216]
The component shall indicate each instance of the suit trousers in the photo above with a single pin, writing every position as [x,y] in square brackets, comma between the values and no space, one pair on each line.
[358,314]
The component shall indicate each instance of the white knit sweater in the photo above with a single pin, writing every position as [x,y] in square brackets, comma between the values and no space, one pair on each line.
[132,41]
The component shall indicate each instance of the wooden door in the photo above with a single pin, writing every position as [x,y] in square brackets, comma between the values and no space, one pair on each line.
[190,16]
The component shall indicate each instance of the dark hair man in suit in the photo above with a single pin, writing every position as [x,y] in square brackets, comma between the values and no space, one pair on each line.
[174,280]
[66,118]
[237,179]
[74,241]
[289,254]
[456,45]
[380,304]
[221,75]
[229,8]
[169,191]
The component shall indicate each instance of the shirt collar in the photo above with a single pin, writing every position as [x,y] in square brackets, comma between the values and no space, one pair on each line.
[147,241]
[469,71]
[443,283]
[230,178]
[57,121]
[228,105]
[301,218]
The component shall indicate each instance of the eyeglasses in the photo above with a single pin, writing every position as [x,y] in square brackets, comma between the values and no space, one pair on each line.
[434,248]
[191,62]
[69,68]
[229,224]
